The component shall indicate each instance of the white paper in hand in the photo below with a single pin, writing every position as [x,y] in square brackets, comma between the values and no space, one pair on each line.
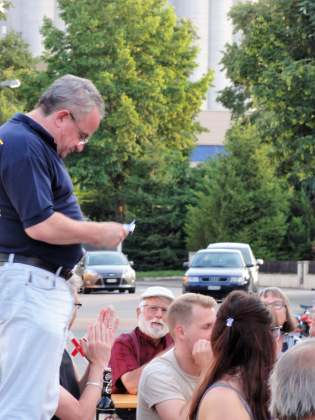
[130,227]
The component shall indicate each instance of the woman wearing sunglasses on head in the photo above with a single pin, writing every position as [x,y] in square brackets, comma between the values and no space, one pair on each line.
[280,305]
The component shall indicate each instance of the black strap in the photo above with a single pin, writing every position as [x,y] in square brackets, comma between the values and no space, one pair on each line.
[36,262]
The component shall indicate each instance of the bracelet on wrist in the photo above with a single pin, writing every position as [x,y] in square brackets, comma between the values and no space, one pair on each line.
[94,383]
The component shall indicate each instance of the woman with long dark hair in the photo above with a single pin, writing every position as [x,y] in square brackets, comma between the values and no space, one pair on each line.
[243,342]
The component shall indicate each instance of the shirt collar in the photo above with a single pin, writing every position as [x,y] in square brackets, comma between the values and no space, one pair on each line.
[48,138]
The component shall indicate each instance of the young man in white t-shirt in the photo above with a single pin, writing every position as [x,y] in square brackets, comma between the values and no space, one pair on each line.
[168,382]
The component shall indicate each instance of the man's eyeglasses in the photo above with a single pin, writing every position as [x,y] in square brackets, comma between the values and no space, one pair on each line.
[154,308]
[278,304]
[84,137]
[78,305]
[276,331]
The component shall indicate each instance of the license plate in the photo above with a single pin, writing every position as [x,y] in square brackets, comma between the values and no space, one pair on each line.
[214,287]
[111,280]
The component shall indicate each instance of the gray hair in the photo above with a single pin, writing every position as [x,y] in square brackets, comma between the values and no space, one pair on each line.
[78,95]
[292,383]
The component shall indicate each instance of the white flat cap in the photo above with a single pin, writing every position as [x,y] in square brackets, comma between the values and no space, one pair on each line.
[157,291]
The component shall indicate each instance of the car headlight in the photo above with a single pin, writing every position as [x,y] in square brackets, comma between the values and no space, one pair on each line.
[192,279]
[128,276]
[91,277]
[238,280]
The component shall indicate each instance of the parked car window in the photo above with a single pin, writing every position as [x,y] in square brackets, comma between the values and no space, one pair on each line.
[103,259]
[218,260]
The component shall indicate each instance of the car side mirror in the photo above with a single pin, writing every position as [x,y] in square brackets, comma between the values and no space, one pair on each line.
[131,263]
[186,264]
[259,261]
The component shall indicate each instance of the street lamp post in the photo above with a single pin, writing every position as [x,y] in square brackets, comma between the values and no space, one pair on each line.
[11,83]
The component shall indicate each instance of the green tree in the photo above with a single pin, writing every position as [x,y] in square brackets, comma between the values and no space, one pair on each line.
[141,57]
[156,193]
[238,198]
[15,62]
[4,5]
[272,72]
[299,238]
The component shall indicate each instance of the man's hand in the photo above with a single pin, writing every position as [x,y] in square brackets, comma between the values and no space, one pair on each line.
[111,234]
[59,229]
[202,353]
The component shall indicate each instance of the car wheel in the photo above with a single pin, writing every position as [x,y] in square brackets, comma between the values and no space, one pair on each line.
[133,290]
[86,291]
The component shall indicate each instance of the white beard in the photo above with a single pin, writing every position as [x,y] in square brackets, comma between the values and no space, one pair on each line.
[151,328]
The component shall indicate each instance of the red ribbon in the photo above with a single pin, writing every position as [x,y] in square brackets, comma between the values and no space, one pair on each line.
[78,348]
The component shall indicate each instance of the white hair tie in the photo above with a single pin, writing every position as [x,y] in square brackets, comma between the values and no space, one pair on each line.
[229,322]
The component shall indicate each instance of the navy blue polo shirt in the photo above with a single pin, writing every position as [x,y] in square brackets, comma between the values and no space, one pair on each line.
[34,184]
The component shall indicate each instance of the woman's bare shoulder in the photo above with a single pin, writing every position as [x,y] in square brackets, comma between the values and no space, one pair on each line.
[222,403]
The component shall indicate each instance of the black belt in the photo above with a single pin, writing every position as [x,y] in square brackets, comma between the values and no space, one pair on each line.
[37,262]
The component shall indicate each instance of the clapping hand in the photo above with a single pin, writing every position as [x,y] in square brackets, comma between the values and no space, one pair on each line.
[101,337]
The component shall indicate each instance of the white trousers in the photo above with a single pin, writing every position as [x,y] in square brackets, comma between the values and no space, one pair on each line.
[36,308]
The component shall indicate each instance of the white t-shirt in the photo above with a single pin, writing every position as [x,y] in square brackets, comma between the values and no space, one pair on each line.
[161,380]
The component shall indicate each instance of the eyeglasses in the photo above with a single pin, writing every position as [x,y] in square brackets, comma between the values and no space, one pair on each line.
[84,137]
[276,331]
[152,309]
[277,305]
[78,305]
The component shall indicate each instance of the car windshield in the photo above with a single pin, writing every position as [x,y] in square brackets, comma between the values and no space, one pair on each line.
[218,259]
[246,255]
[106,259]
[244,251]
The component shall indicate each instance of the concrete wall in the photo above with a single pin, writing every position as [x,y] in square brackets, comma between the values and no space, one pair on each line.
[301,280]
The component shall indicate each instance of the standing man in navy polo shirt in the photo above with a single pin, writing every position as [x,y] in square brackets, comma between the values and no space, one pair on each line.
[41,231]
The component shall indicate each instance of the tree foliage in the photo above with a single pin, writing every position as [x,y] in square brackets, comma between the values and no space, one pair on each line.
[273,74]
[140,56]
[4,5]
[15,62]
[299,239]
[238,198]
[156,194]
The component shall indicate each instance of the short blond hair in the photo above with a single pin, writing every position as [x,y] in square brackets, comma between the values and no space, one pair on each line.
[180,310]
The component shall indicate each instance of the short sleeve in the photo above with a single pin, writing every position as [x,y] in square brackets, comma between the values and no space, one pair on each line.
[123,359]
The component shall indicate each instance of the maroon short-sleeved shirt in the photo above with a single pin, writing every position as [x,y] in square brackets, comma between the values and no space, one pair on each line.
[125,358]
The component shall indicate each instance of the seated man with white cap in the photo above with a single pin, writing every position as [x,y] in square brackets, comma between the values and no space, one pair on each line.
[133,351]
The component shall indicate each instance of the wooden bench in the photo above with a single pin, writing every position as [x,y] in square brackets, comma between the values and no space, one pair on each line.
[125,400]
